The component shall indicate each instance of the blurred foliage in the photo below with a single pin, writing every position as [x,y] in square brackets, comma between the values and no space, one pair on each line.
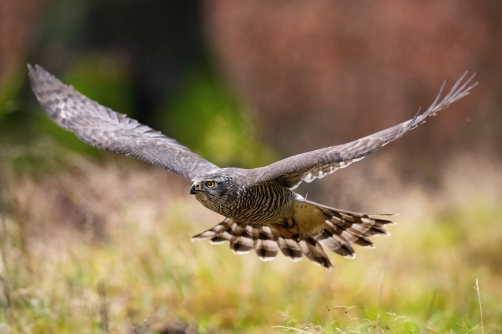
[103,78]
[10,85]
[207,118]
[34,162]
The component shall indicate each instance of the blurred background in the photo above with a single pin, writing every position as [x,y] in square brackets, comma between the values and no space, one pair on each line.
[95,242]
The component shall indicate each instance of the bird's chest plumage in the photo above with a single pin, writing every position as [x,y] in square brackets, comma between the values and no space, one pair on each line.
[268,202]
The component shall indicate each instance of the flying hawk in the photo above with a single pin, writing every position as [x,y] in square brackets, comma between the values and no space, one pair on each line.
[261,210]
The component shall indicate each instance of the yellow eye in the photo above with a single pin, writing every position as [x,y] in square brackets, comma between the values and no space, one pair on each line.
[210,184]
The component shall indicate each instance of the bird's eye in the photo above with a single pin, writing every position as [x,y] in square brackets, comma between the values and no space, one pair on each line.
[210,184]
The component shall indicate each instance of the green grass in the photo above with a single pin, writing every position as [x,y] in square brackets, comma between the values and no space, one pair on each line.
[106,248]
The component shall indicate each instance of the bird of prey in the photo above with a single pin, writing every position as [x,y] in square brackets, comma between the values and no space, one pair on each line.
[261,210]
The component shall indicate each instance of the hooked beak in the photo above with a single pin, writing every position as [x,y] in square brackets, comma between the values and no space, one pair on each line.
[195,188]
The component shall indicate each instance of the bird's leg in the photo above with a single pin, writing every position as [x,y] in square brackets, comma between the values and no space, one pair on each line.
[288,229]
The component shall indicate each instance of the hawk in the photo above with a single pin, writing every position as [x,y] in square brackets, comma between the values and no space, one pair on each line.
[261,210]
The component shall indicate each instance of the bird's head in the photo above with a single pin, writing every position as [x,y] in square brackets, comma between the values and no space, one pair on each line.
[210,185]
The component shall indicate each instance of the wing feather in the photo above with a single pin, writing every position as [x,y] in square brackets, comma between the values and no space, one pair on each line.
[101,127]
[290,172]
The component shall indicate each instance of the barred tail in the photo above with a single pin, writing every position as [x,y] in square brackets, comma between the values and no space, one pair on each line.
[266,240]
[339,229]
[318,226]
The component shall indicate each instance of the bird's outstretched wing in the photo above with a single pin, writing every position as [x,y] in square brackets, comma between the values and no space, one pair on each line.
[103,128]
[290,172]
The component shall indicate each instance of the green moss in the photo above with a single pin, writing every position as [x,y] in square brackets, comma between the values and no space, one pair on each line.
[10,85]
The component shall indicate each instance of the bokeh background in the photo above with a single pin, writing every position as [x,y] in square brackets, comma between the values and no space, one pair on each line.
[95,242]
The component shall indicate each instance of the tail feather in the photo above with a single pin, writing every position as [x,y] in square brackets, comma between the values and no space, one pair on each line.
[353,234]
[313,250]
[265,244]
[215,231]
[358,225]
[290,248]
[335,243]
[265,240]
[242,240]
[342,228]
